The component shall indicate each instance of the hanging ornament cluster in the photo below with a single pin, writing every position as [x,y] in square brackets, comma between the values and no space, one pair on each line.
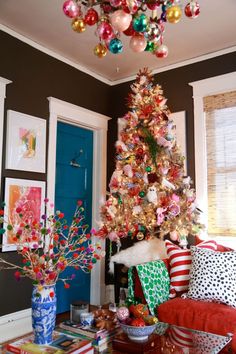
[150,195]
[142,20]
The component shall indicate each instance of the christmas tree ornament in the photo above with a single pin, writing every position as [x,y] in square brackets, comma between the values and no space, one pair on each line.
[78,25]
[140,23]
[71,8]
[115,46]
[161,51]
[130,17]
[100,50]
[91,17]
[105,30]
[138,43]
[120,20]
[122,313]
[192,9]
[173,14]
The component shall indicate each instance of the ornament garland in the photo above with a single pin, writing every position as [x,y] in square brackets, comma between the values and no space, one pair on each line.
[138,19]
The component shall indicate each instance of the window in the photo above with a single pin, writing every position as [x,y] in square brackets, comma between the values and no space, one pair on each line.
[220,118]
[215,155]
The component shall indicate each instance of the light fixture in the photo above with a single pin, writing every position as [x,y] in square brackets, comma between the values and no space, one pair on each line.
[143,20]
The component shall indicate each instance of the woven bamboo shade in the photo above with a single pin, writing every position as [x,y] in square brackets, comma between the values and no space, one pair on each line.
[220,111]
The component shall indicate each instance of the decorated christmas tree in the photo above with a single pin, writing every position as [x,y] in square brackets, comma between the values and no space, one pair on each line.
[150,195]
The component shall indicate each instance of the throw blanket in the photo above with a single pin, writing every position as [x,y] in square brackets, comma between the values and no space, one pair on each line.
[155,282]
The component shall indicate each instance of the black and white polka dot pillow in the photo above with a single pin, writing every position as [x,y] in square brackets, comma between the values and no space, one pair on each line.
[212,276]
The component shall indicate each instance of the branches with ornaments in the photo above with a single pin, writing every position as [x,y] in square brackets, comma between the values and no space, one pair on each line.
[150,194]
[144,21]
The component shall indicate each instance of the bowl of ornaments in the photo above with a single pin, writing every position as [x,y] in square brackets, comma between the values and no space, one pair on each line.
[136,322]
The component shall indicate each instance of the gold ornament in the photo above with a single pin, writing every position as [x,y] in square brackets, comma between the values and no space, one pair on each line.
[140,236]
[100,50]
[78,25]
[173,14]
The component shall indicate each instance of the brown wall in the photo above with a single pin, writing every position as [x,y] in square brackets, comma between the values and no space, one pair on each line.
[36,76]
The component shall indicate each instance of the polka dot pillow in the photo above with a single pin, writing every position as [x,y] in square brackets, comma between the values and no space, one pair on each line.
[213,276]
[180,264]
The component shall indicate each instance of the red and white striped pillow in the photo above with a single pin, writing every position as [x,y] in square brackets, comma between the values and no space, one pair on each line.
[180,263]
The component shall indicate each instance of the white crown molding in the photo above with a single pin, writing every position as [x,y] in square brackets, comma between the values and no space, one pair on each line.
[180,64]
[52,53]
[100,78]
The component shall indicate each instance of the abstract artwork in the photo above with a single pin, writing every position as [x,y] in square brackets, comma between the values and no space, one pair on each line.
[27,195]
[26,142]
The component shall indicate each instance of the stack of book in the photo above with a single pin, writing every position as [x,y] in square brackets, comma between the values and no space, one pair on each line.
[100,338]
[62,344]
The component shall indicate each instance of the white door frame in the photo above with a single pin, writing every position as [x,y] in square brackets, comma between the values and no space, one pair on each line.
[3,84]
[98,123]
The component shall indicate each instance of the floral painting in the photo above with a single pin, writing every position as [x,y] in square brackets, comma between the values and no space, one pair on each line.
[27,196]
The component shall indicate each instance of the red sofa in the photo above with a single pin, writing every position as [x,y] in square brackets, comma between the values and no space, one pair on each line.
[200,315]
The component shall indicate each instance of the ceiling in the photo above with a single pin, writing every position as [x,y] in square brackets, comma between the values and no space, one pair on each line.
[44,23]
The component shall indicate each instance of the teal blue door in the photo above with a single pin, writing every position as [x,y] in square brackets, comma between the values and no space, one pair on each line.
[74,160]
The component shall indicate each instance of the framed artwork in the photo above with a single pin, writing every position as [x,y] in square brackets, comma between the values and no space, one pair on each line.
[179,121]
[26,142]
[29,196]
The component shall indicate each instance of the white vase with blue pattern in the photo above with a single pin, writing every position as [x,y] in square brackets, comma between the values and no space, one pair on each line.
[44,305]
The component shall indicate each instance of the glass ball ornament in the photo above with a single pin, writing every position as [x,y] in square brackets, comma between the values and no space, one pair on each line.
[153,32]
[116,3]
[105,31]
[150,47]
[162,51]
[140,236]
[120,20]
[71,9]
[140,23]
[131,6]
[91,17]
[115,46]
[138,43]
[100,50]
[173,14]
[192,9]
[78,25]
[130,31]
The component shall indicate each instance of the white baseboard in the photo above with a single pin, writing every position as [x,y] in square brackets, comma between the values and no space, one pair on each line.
[15,324]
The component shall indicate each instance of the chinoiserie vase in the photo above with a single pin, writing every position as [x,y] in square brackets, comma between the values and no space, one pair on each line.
[44,305]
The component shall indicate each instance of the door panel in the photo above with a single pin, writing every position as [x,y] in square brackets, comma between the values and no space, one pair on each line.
[73,182]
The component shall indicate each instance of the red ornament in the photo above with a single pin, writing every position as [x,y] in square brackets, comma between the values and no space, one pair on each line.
[162,51]
[192,9]
[139,310]
[130,31]
[91,17]
[138,322]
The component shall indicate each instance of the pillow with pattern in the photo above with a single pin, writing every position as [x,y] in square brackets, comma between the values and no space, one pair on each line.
[180,264]
[212,276]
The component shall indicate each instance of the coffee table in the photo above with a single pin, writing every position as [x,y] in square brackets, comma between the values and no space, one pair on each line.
[170,339]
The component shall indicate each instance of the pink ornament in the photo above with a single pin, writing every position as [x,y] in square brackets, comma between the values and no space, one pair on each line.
[113,236]
[71,8]
[174,236]
[192,9]
[138,43]
[120,20]
[115,3]
[160,215]
[162,51]
[105,31]
[175,197]
[122,313]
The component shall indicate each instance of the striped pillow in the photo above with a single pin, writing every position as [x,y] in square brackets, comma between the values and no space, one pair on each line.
[180,264]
